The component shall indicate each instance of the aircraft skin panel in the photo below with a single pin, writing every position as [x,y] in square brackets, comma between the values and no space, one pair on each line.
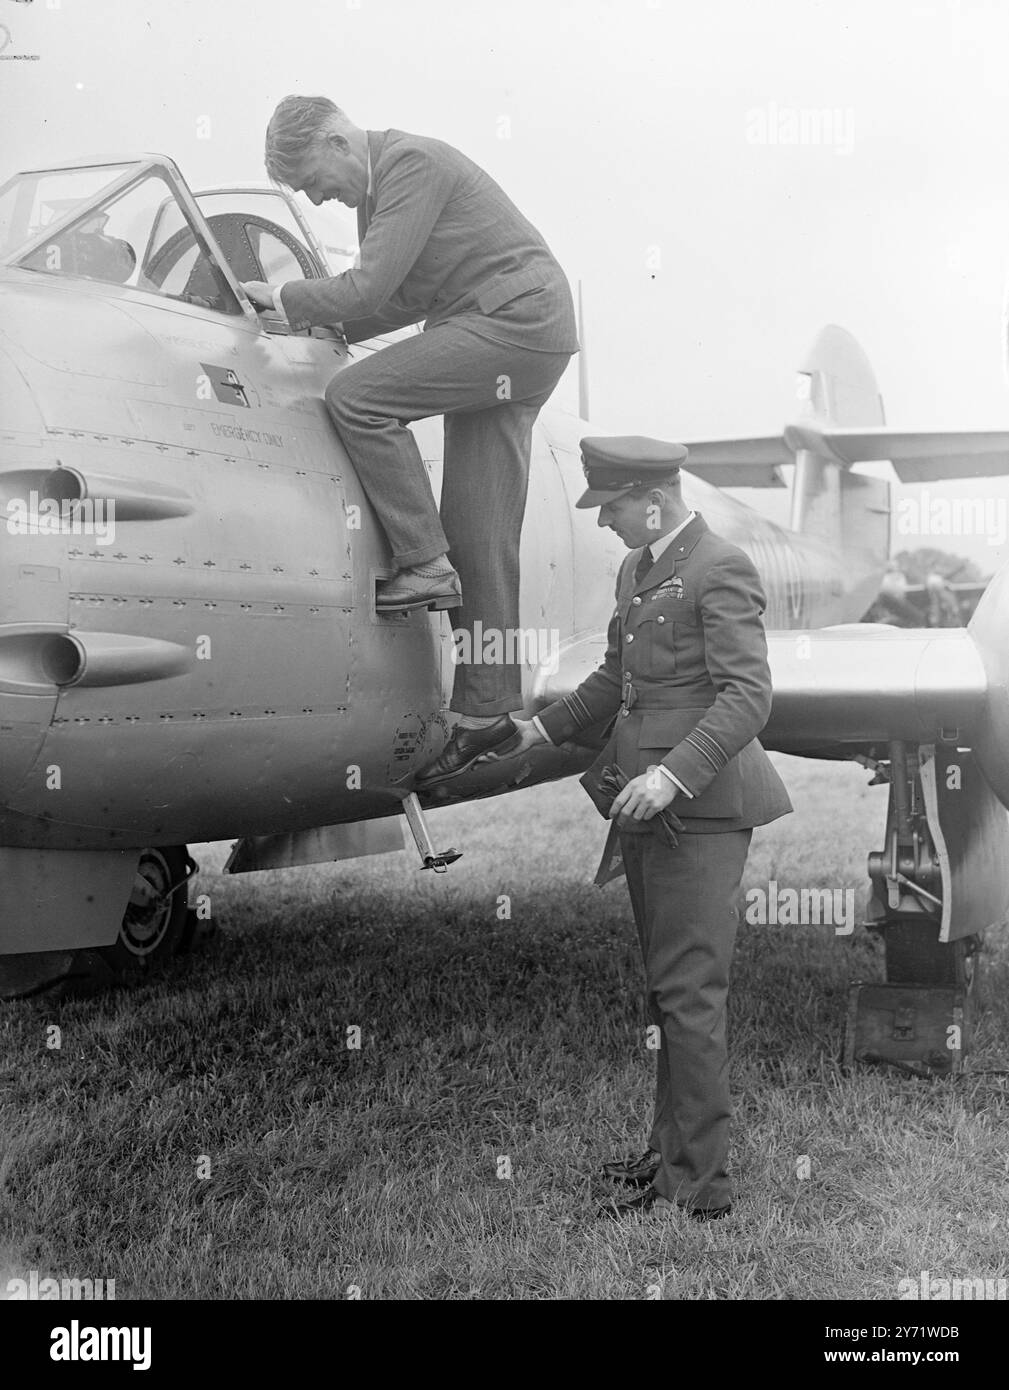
[245,540]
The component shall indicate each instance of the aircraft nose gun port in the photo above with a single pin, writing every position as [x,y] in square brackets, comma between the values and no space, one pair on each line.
[32,661]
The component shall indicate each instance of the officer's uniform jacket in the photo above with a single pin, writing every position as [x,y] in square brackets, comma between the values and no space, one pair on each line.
[685,682]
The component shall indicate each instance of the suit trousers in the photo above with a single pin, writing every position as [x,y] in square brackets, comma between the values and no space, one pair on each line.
[490,393]
[686,907]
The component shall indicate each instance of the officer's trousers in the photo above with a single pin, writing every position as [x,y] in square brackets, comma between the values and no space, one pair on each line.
[686,907]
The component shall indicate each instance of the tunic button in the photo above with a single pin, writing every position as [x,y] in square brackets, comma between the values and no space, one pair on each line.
[636,598]
[629,637]
[660,619]
[627,675]
[625,712]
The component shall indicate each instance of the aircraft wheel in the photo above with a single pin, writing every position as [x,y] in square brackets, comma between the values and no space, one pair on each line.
[914,957]
[155,918]
[155,925]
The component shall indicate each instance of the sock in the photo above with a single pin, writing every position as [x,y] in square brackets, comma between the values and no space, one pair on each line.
[477,721]
[431,569]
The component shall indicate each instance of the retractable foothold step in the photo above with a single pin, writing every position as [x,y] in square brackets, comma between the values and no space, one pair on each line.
[430,858]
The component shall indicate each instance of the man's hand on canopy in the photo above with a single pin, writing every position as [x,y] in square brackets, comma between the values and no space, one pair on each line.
[260,293]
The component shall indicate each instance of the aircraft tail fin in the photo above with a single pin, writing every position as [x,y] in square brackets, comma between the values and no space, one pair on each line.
[837,394]
[837,389]
[841,422]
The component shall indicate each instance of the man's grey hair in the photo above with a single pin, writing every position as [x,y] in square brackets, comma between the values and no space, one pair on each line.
[296,123]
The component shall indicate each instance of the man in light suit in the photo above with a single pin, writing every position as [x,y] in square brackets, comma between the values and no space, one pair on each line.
[686,688]
[441,242]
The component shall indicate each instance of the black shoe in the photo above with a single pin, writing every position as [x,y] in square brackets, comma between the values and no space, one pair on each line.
[463,749]
[707,1213]
[631,1206]
[646,1202]
[410,590]
[634,1172]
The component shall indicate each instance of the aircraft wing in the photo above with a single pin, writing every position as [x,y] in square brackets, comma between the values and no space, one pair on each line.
[753,462]
[847,687]
[918,456]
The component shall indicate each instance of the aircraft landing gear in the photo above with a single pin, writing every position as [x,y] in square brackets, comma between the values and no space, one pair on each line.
[155,919]
[936,886]
[156,925]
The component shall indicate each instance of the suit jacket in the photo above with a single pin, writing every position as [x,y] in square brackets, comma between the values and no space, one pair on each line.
[685,682]
[440,238]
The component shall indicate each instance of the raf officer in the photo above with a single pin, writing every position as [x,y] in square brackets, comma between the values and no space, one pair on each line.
[686,687]
[440,242]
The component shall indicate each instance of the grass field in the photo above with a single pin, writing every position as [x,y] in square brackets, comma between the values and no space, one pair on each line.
[211,1134]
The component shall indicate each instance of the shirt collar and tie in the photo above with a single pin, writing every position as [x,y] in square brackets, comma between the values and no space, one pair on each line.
[658,546]
[654,550]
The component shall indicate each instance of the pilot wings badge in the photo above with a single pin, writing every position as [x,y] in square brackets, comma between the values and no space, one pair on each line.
[670,588]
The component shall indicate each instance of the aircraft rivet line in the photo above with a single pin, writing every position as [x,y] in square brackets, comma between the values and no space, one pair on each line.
[210,564]
[119,555]
[146,558]
[178,561]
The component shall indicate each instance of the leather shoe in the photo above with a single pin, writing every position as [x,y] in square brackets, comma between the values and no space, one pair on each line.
[409,590]
[634,1172]
[651,1202]
[463,749]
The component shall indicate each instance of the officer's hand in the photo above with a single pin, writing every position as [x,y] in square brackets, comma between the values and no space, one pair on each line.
[643,797]
[529,736]
[259,292]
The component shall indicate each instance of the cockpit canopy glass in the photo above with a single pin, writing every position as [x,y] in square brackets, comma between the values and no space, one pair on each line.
[31,202]
[119,237]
